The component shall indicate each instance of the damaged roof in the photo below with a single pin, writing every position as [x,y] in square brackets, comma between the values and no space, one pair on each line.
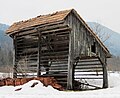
[39,20]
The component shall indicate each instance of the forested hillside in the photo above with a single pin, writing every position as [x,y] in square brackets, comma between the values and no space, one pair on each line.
[5,47]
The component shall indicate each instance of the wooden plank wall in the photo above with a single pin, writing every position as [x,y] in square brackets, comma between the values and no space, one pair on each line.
[26,53]
[83,39]
[85,46]
[43,50]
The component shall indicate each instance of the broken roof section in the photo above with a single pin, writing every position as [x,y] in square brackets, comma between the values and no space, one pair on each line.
[51,18]
[39,20]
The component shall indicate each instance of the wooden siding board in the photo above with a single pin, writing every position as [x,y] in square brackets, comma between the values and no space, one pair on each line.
[14,58]
[70,63]
[105,77]
[39,54]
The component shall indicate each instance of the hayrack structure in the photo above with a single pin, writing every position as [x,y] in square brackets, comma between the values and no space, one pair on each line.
[59,45]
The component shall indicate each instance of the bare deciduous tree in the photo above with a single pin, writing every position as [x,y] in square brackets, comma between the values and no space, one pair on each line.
[99,30]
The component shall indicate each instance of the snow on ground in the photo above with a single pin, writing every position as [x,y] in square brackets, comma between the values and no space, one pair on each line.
[4,75]
[39,91]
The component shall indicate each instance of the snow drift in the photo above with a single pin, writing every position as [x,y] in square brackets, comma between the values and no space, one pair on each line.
[40,91]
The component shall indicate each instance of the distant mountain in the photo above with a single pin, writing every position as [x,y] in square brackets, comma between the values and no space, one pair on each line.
[3,27]
[5,47]
[4,39]
[113,42]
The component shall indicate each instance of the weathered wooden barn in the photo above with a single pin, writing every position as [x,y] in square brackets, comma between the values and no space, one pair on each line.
[60,45]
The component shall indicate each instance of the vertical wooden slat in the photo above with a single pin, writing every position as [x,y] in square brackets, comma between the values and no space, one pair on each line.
[39,54]
[105,77]
[70,63]
[14,58]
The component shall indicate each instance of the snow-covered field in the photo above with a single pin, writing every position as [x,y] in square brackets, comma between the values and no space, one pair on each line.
[39,91]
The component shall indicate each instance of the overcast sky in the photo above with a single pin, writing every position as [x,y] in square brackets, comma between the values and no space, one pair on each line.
[106,12]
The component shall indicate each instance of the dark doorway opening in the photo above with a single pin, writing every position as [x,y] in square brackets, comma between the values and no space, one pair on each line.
[93,48]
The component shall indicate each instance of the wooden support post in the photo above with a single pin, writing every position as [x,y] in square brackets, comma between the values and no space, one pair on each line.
[70,75]
[105,77]
[70,63]
[39,54]
[14,58]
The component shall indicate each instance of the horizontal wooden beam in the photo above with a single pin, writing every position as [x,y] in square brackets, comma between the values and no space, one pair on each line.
[89,60]
[88,78]
[57,70]
[57,30]
[54,57]
[79,65]
[89,67]
[37,26]
[47,29]
[52,27]
[92,70]
[54,60]
[55,75]
[95,74]
[55,53]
